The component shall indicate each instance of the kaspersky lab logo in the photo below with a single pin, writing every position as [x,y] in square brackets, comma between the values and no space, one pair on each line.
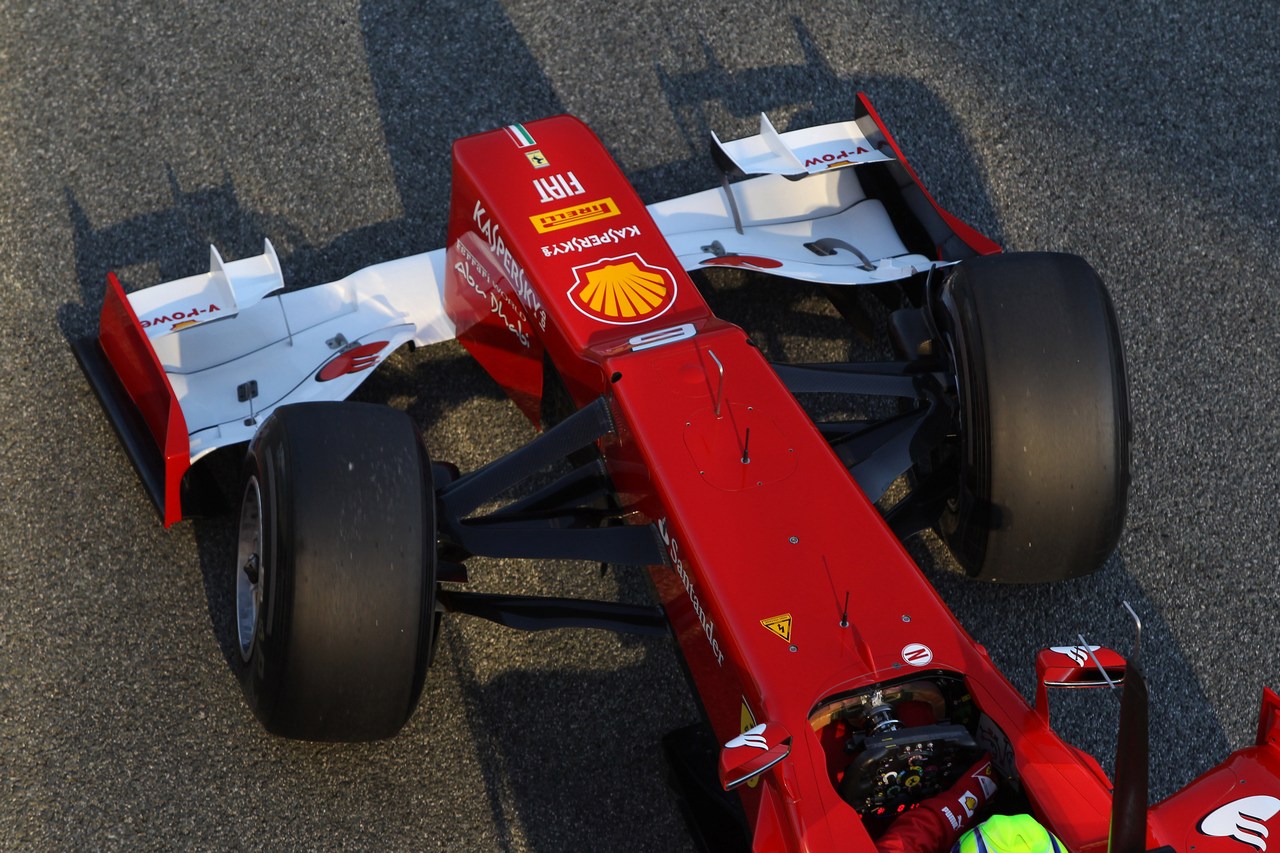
[622,290]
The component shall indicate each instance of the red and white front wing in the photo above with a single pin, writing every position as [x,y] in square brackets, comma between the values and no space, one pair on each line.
[231,346]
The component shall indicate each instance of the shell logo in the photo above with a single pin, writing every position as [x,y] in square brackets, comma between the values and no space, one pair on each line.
[622,290]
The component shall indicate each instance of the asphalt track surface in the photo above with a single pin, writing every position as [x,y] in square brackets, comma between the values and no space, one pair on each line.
[1143,136]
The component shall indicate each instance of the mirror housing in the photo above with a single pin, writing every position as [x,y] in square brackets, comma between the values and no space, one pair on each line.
[751,753]
[1076,667]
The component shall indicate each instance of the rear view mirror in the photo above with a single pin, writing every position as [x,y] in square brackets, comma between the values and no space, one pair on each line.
[1075,667]
[752,753]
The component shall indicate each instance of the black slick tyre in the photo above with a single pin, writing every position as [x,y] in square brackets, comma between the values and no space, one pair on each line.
[335,573]
[1043,461]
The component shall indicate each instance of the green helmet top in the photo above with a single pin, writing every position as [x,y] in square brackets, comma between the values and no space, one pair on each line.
[1019,833]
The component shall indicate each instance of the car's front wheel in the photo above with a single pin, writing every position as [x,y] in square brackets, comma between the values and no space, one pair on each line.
[1043,459]
[335,571]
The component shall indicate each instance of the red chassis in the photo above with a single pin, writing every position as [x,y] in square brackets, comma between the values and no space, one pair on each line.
[859,708]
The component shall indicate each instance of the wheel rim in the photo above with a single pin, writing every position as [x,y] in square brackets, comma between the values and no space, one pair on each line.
[961,452]
[249,568]
[951,345]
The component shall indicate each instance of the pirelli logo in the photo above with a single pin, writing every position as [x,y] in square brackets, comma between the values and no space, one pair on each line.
[567,217]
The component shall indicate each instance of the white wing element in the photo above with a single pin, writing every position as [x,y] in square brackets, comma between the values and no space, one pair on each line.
[807,151]
[317,343]
[225,290]
[822,228]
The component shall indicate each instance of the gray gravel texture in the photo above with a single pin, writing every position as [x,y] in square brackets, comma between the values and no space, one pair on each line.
[1143,136]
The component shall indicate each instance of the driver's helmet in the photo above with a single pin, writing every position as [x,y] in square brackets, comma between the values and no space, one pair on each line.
[1019,833]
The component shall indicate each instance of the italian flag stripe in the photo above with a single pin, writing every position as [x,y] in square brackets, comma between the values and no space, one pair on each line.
[522,136]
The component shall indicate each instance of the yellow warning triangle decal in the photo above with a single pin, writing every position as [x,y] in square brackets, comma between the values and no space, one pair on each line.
[780,625]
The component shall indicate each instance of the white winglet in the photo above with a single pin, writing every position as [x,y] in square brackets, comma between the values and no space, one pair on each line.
[773,141]
[810,150]
[247,280]
[225,290]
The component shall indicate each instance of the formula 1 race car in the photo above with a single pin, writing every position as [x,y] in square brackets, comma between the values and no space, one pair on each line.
[835,718]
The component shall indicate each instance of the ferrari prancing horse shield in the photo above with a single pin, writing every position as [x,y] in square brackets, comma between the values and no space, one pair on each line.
[622,290]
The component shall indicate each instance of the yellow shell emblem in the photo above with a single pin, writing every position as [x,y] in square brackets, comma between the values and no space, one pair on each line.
[622,290]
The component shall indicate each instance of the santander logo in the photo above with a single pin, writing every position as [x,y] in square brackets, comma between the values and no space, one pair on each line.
[1078,654]
[1242,820]
[352,360]
[752,737]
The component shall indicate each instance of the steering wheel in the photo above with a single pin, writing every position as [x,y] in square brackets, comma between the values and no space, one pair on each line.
[906,766]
